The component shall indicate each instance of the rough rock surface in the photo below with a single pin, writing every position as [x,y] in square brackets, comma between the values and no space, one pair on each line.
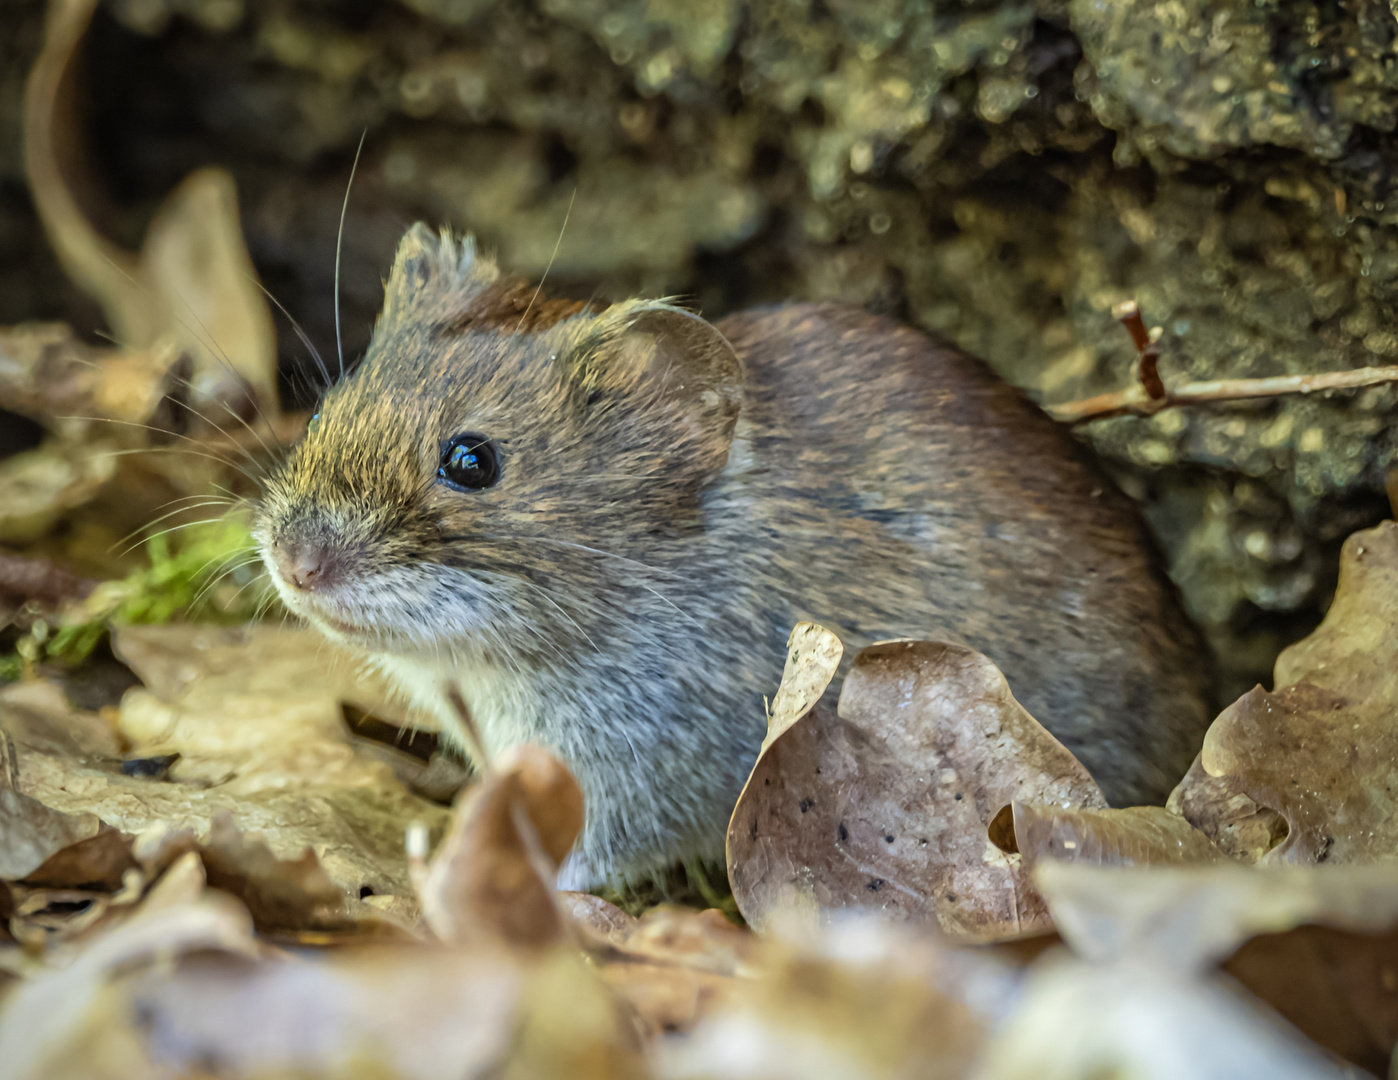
[998,171]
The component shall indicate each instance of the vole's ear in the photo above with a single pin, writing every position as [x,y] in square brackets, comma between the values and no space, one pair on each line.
[670,372]
[434,274]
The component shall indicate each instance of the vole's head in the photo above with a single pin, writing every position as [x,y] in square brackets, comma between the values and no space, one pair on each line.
[491,478]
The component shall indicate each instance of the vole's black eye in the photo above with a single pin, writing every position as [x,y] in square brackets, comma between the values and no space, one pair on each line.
[469,462]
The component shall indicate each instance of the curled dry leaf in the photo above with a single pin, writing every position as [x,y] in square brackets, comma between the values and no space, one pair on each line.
[193,282]
[96,862]
[254,716]
[493,876]
[1134,836]
[1320,945]
[1320,751]
[181,983]
[885,805]
[280,894]
[403,1012]
[813,656]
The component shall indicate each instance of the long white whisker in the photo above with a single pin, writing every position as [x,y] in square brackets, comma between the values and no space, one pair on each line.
[165,517]
[173,434]
[339,238]
[557,244]
[167,532]
[249,477]
[557,607]
[296,326]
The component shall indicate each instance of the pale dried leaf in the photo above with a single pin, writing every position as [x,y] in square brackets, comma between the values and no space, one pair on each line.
[49,375]
[44,1015]
[30,832]
[51,146]
[1189,917]
[813,656]
[1131,1021]
[254,715]
[202,289]
[672,966]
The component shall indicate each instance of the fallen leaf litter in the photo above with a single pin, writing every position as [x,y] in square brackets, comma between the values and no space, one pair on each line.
[160,922]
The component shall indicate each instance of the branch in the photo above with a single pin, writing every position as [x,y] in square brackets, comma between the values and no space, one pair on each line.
[1150,394]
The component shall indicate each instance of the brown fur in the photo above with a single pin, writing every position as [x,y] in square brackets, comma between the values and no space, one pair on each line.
[670,504]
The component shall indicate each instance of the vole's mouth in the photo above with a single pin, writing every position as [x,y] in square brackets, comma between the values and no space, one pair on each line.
[405,610]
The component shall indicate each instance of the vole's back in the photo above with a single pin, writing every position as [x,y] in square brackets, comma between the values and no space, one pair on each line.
[898,489]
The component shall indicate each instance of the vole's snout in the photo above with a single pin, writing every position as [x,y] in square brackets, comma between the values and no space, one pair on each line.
[306,565]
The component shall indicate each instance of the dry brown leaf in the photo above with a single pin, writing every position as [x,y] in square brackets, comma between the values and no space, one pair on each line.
[672,966]
[859,999]
[1134,836]
[492,878]
[601,920]
[192,284]
[884,807]
[30,832]
[39,486]
[134,1001]
[254,715]
[1240,827]
[50,376]
[38,582]
[1318,944]
[1132,1021]
[676,965]
[47,1023]
[280,894]
[97,862]
[1321,750]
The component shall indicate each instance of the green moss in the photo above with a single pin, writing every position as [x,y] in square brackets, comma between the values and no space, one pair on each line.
[209,575]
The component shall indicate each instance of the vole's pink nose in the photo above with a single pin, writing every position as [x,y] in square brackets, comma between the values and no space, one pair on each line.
[305,564]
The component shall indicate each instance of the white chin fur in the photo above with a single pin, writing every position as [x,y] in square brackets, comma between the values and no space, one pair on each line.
[409,610]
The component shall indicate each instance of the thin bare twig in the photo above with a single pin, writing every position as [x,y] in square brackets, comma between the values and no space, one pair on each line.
[1151,394]
[466,731]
